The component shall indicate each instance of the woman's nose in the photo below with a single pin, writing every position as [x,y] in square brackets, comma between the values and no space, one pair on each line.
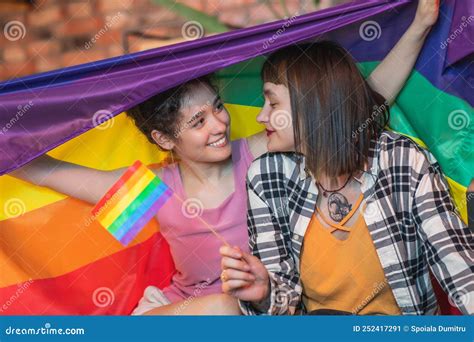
[218,125]
[263,116]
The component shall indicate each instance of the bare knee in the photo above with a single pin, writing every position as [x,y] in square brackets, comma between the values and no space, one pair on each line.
[221,304]
[215,304]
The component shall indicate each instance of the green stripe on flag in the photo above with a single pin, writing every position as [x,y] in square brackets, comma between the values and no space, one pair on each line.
[445,123]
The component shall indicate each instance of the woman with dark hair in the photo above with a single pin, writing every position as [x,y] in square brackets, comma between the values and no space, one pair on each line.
[351,218]
[207,173]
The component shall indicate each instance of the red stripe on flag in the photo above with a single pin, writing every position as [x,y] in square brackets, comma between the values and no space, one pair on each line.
[109,286]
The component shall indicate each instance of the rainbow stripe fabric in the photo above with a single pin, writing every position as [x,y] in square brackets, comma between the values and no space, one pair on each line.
[131,202]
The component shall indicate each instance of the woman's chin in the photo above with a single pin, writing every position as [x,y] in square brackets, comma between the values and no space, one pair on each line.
[274,145]
[218,154]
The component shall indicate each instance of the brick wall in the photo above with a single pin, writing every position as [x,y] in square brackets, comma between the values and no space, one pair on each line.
[51,34]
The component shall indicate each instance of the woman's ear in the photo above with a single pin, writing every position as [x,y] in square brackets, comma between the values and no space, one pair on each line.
[163,141]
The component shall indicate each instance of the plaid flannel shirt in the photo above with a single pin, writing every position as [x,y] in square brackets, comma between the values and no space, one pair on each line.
[408,212]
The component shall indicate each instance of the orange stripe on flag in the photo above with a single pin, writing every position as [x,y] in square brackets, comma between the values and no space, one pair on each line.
[54,240]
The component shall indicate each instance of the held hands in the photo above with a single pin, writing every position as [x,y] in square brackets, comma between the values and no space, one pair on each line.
[427,14]
[243,275]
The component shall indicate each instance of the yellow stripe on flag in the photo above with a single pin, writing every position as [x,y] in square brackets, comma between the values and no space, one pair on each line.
[100,149]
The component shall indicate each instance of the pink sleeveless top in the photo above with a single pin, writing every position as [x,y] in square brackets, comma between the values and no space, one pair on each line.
[194,248]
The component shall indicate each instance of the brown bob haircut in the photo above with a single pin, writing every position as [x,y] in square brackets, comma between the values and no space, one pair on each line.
[335,112]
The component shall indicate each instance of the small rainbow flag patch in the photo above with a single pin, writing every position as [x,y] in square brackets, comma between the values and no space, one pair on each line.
[131,202]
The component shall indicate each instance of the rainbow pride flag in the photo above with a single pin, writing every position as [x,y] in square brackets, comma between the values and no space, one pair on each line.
[131,202]
[54,261]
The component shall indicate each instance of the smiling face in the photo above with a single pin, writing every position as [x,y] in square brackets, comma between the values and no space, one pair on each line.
[320,85]
[203,132]
[276,116]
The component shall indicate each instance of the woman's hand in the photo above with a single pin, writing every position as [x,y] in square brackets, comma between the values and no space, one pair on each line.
[243,275]
[427,14]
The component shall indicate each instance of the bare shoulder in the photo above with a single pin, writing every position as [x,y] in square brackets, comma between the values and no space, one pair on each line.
[159,167]
[258,144]
[157,170]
